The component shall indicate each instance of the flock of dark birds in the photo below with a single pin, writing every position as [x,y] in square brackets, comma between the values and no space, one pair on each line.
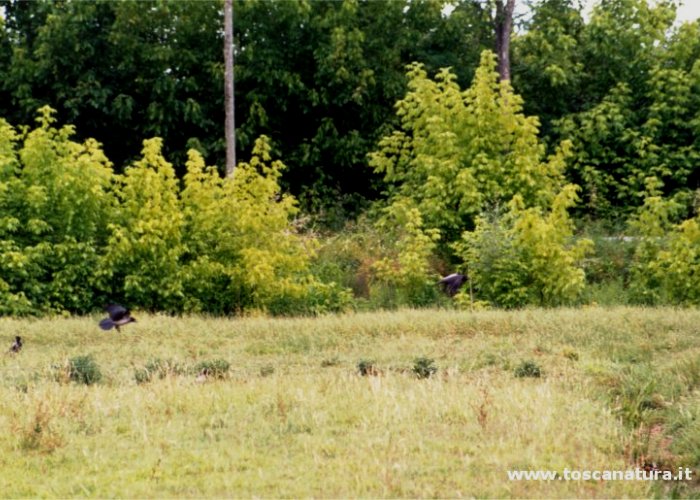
[119,315]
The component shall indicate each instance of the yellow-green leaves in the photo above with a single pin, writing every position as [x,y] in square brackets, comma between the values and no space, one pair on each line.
[406,266]
[666,267]
[242,248]
[55,202]
[73,234]
[528,255]
[146,240]
[458,153]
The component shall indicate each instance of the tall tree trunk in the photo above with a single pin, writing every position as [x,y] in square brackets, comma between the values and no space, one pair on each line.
[229,104]
[503,23]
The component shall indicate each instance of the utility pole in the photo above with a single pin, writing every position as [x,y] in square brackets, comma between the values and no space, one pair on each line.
[229,103]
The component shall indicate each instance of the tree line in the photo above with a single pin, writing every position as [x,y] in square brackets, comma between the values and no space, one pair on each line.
[321,79]
[394,122]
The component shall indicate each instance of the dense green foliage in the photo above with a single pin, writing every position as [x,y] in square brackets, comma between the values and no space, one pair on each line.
[318,78]
[467,173]
[459,155]
[75,235]
[527,257]
[666,263]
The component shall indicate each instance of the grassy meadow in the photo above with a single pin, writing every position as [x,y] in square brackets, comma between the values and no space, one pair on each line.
[293,418]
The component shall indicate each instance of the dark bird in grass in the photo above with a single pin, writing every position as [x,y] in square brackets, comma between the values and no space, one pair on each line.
[16,345]
[452,283]
[118,316]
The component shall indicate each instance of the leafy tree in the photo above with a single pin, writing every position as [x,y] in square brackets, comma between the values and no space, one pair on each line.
[340,70]
[240,233]
[145,244]
[460,153]
[619,143]
[131,68]
[621,44]
[548,62]
[74,235]
[621,88]
[319,78]
[56,201]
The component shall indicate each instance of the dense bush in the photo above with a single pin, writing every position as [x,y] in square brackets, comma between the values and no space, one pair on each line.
[55,203]
[74,235]
[527,256]
[158,368]
[458,153]
[528,369]
[666,265]
[424,367]
[84,370]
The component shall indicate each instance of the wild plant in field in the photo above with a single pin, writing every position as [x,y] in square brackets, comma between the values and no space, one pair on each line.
[482,408]
[424,367]
[366,368]
[215,368]
[39,434]
[528,369]
[334,361]
[267,370]
[84,370]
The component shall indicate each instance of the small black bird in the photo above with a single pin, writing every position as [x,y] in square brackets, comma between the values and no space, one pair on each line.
[452,283]
[17,345]
[118,316]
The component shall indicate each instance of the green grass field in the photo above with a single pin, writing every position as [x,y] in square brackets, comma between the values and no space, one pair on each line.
[293,418]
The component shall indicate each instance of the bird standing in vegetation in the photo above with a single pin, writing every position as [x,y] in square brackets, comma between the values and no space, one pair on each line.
[118,316]
[16,345]
[452,283]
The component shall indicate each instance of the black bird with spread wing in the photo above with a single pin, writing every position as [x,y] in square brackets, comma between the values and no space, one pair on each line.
[118,316]
[16,345]
[452,283]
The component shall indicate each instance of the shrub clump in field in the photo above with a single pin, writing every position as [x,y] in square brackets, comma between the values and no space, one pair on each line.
[84,370]
[158,368]
[424,367]
[267,370]
[367,368]
[528,369]
[215,368]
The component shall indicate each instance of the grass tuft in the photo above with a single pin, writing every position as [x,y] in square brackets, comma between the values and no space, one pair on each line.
[528,369]
[424,367]
[84,370]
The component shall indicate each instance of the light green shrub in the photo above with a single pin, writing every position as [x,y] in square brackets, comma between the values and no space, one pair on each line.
[527,256]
